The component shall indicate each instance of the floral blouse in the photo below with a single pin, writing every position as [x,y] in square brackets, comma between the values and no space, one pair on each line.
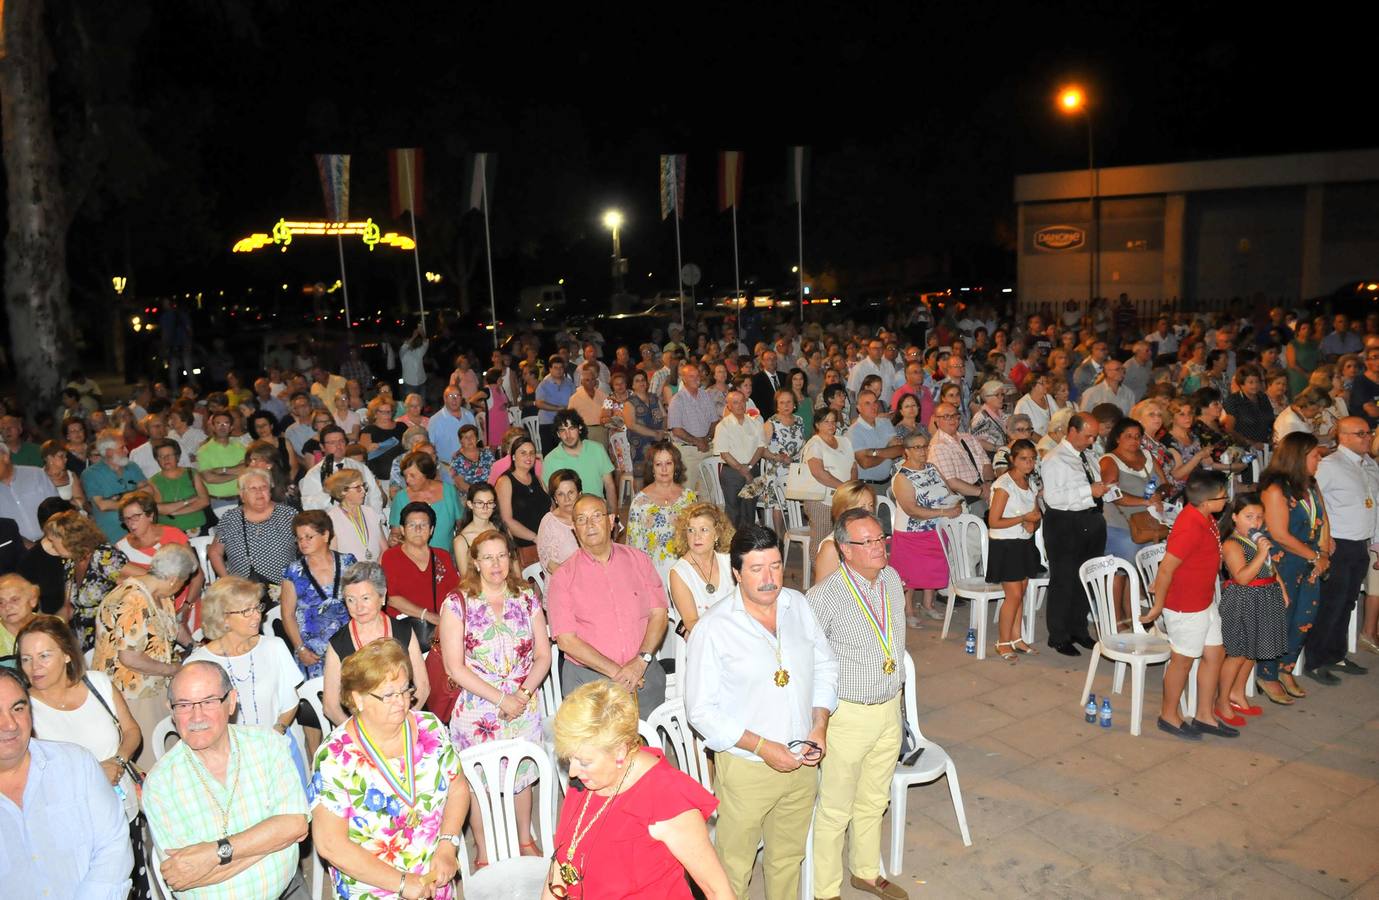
[101,573]
[651,527]
[931,492]
[476,471]
[131,619]
[348,784]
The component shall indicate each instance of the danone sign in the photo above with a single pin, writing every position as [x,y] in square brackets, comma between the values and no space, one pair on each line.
[1057,238]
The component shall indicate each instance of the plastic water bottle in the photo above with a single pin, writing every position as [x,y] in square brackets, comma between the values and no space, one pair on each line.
[1090,710]
[1150,487]
[1248,458]
[1105,712]
[971,645]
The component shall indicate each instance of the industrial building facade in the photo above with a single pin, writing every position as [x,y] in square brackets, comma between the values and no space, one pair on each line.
[1284,227]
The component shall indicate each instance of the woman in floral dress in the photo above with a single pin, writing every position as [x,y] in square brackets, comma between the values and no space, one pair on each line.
[363,795]
[313,607]
[784,441]
[657,507]
[91,566]
[471,462]
[645,420]
[494,642]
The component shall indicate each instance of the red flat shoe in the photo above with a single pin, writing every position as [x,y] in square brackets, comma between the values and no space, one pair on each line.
[1247,710]
[1233,721]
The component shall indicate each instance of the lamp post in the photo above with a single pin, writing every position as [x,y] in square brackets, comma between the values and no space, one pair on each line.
[1073,100]
[612,220]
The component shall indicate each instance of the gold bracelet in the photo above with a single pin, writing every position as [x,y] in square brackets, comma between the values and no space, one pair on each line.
[761,741]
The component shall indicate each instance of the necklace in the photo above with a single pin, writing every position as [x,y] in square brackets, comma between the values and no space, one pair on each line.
[782,676]
[253,685]
[224,811]
[568,871]
[708,579]
[360,526]
[360,642]
[403,785]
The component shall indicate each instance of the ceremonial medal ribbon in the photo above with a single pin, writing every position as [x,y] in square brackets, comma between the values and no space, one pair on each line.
[406,786]
[881,626]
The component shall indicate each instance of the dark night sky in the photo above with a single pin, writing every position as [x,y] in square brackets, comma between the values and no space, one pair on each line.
[918,116]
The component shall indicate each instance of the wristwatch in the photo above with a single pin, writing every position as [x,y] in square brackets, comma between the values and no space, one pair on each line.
[224,851]
[646,658]
[452,838]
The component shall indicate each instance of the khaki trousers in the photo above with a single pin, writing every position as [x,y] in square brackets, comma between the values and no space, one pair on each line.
[756,802]
[854,788]
[692,457]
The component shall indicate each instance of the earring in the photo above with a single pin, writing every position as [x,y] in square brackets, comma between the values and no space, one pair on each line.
[621,762]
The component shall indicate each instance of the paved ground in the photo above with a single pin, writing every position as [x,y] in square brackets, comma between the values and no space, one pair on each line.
[1060,808]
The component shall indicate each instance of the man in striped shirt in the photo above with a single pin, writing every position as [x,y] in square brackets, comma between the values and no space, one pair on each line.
[861,610]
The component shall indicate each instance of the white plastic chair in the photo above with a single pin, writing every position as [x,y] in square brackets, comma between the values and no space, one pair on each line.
[886,511]
[1136,648]
[1036,589]
[797,532]
[310,691]
[533,426]
[933,763]
[161,732]
[536,574]
[966,578]
[201,544]
[708,474]
[491,769]
[273,615]
[669,719]
[153,862]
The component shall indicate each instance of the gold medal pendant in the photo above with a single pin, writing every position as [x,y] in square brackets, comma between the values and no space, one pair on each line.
[568,873]
[782,678]
[888,666]
[1369,503]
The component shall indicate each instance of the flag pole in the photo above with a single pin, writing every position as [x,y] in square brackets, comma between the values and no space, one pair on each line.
[488,251]
[416,252]
[679,266]
[344,282]
[737,275]
[800,227]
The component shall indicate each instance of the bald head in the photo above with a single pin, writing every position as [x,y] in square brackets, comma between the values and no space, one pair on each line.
[1354,433]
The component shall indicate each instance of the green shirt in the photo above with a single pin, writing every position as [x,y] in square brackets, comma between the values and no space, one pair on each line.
[183,803]
[448,513]
[27,455]
[212,455]
[591,464]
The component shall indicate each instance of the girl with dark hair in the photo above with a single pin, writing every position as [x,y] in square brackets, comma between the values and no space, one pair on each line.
[1254,608]
[1012,557]
[480,515]
[1296,519]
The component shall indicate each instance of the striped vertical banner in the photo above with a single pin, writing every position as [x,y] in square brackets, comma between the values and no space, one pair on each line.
[334,169]
[729,179]
[673,185]
[480,172]
[404,181]
[796,174]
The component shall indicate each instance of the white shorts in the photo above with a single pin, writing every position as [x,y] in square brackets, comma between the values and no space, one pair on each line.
[1189,632]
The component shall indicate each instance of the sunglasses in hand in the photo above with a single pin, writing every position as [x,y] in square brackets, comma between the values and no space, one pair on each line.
[805,750]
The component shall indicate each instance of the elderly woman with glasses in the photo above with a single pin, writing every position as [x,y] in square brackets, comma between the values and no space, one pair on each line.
[359,528]
[494,642]
[261,667]
[365,590]
[387,798]
[137,634]
[1018,428]
[916,551]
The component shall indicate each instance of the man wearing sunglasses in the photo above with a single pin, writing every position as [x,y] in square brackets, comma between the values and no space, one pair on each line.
[760,684]
[861,609]
[225,805]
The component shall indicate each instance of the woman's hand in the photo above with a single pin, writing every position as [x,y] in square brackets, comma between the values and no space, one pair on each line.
[113,770]
[306,657]
[510,707]
[444,865]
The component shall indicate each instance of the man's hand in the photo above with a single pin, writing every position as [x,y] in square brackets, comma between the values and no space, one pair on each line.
[779,757]
[630,673]
[819,736]
[1099,488]
[186,866]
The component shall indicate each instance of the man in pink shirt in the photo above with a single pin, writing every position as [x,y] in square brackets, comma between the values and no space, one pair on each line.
[607,610]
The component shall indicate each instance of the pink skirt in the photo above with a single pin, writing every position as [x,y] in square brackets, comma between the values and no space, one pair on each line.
[918,558]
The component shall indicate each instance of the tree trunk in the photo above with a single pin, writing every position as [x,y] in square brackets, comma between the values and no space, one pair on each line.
[36,280]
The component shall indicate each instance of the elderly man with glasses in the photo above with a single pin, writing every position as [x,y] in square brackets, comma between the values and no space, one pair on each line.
[861,610]
[225,806]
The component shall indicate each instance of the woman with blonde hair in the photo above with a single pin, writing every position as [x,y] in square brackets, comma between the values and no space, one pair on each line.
[703,575]
[851,495]
[646,840]
[496,648]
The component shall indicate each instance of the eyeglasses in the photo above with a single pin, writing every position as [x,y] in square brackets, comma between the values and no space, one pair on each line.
[494,557]
[186,707]
[945,415]
[589,520]
[417,526]
[359,486]
[258,608]
[870,542]
[1366,433]
[406,693]
[486,504]
[811,750]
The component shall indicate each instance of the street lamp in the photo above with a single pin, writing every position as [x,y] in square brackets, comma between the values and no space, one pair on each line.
[1072,100]
[612,220]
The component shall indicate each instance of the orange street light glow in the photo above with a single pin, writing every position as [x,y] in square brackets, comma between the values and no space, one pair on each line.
[1072,99]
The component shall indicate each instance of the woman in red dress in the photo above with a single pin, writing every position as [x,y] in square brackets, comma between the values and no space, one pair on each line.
[636,824]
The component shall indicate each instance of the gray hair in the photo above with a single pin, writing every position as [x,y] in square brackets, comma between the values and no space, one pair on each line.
[362,571]
[414,435]
[226,685]
[174,563]
[1058,422]
[107,441]
[249,475]
[856,514]
[1017,420]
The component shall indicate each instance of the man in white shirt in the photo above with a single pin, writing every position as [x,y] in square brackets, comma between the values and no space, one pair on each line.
[760,684]
[874,364]
[1109,388]
[1163,339]
[591,360]
[1074,531]
[738,440]
[1349,481]
[314,494]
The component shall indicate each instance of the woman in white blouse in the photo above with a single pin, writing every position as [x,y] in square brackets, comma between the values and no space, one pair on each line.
[1012,557]
[703,576]
[831,461]
[1038,405]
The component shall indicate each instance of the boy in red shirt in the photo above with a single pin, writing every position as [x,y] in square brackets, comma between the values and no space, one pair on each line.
[1185,593]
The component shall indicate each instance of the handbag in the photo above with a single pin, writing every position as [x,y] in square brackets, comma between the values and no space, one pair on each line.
[800,484]
[444,691]
[1145,529]
[131,799]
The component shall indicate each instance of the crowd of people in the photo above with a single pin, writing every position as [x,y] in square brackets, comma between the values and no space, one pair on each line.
[398,538]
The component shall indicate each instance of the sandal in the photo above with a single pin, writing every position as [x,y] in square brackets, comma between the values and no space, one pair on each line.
[1278,696]
[1021,647]
[524,846]
[1007,655]
[1291,685]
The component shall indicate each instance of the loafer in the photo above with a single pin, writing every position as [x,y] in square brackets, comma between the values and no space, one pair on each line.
[1085,642]
[1349,666]
[1179,731]
[882,888]
[1068,649]
[1322,675]
[1220,730]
